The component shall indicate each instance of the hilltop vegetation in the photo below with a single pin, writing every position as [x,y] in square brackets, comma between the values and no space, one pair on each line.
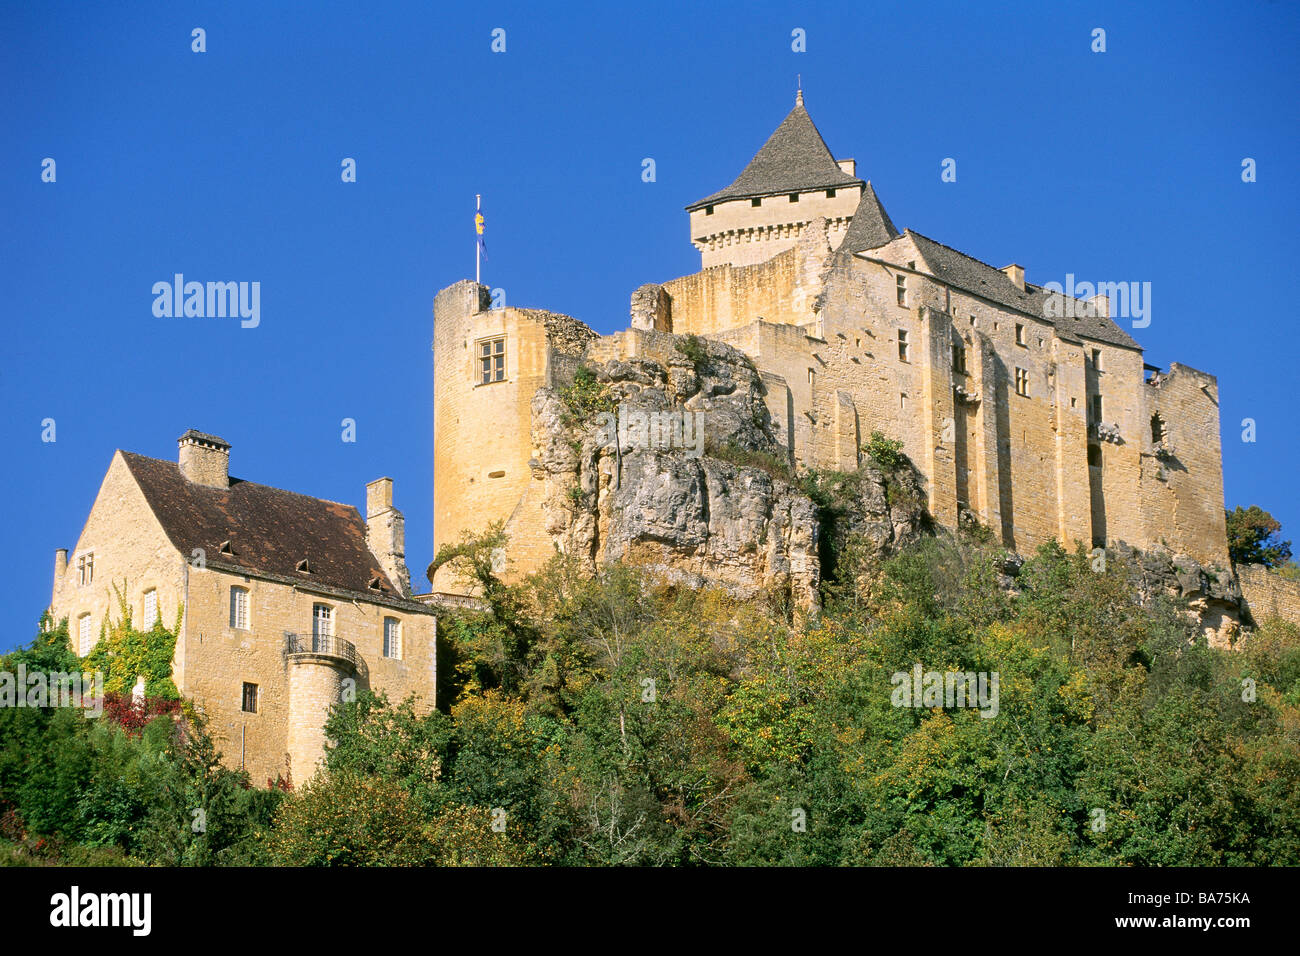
[614,721]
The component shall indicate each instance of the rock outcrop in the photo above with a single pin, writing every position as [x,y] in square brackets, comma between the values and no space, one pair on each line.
[676,469]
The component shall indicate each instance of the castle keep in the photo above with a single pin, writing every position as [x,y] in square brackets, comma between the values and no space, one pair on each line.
[1033,416]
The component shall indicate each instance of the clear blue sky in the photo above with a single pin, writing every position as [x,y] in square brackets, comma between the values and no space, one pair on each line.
[225,165]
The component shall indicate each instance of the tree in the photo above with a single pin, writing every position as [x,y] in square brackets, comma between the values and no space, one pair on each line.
[1253,537]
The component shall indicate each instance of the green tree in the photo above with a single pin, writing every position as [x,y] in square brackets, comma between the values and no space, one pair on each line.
[1253,537]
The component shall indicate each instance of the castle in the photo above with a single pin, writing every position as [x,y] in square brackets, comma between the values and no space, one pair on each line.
[1027,411]
[815,323]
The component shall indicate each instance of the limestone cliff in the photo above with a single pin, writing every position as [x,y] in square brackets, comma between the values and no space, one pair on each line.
[675,468]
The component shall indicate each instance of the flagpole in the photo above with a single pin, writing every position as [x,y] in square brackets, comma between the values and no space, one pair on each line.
[478,244]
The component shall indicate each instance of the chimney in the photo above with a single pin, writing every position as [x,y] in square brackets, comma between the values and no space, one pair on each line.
[1016,274]
[849,166]
[60,566]
[204,459]
[386,533]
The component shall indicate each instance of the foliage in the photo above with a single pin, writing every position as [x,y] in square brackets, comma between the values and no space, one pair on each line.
[610,719]
[587,396]
[1253,537]
[124,653]
[775,465]
[885,452]
[694,349]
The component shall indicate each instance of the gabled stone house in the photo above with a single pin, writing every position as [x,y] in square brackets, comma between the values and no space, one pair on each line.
[285,603]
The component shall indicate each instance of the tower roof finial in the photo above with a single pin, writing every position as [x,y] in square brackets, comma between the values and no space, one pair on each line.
[798,96]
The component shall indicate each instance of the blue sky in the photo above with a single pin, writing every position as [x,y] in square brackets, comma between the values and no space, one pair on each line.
[225,165]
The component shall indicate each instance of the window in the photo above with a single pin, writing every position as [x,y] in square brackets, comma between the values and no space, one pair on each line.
[239,608]
[1022,382]
[1096,408]
[1096,359]
[959,357]
[902,345]
[492,360]
[756,202]
[901,280]
[830,194]
[794,197]
[249,703]
[902,402]
[150,610]
[322,625]
[1094,456]
[708,210]
[85,569]
[1020,334]
[392,637]
[84,643]
[812,376]
[972,321]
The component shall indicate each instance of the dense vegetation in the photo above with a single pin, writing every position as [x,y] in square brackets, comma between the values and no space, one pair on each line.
[615,721]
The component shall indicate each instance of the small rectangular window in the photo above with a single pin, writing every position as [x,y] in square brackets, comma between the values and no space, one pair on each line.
[708,210]
[249,704]
[830,194]
[86,569]
[901,281]
[959,358]
[812,376]
[239,608]
[392,637]
[756,202]
[1022,382]
[902,345]
[794,197]
[492,360]
[84,642]
[1020,334]
[1096,359]
[150,610]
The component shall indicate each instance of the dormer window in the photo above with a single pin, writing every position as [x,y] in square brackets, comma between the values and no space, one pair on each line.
[227,547]
[376,583]
[304,566]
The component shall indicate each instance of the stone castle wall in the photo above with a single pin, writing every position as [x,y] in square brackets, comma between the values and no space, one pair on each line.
[1268,594]
[841,358]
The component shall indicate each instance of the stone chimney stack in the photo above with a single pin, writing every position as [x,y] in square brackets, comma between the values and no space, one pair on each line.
[1016,274]
[386,533]
[60,566]
[204,459]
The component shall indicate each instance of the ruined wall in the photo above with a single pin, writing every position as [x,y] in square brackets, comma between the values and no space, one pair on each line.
[1269,595]
[1182,475]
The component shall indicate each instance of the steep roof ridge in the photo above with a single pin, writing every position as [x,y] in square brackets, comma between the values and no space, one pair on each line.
[794,158]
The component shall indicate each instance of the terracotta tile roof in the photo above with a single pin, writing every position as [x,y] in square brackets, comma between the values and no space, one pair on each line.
[270,531]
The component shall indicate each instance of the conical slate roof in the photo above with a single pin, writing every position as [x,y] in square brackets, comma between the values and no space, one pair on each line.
[794,159]
[871,226]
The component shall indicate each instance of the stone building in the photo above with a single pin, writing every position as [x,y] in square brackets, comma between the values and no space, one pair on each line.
[284,602]
[1028,412]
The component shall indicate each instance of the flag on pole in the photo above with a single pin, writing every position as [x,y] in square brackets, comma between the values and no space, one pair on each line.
[478,229]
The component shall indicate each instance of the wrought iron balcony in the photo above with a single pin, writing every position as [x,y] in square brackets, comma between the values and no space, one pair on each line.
[325,644]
